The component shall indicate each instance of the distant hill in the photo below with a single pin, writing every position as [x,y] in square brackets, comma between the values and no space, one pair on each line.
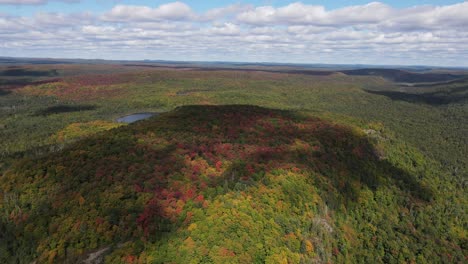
[288,67]
[229,184]
[402,76]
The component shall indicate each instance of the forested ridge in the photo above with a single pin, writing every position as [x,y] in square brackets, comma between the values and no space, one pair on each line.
[337,167]
[233,184]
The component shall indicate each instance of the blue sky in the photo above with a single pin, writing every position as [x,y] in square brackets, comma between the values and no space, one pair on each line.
[369,32]
[197,5]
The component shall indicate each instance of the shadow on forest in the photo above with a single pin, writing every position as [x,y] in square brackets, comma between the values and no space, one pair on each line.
[369,171]
[59,109]
[14,72]
[462,80]
[238,69]
[397,75]
[338,154]
[456,95]
[18,83]
[95,165]
[302,72]
[339,144]
[4,92]
[15,82]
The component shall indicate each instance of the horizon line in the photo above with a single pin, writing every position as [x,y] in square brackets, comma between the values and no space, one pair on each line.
[238,62]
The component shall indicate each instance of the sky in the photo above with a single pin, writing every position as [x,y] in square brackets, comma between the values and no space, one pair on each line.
[398,32]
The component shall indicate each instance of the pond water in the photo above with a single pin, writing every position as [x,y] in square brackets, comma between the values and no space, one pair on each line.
[135,117]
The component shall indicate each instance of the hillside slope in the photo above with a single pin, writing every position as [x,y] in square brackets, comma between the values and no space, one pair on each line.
[231,184]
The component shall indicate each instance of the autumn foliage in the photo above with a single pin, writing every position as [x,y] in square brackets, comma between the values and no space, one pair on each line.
[218,184]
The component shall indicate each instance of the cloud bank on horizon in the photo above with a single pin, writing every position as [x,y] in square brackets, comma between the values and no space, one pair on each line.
[372,33]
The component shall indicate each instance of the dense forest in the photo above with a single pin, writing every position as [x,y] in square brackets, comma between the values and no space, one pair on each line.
[239,166]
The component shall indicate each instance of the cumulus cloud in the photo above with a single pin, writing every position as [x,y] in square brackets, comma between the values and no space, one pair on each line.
[301,14]
[374,13]
[225,12]
[370,33]
[52,20]
[429,17]
[170,11]
[226,29]
[366,14]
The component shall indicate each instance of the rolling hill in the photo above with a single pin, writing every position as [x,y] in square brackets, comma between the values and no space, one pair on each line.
[232,184]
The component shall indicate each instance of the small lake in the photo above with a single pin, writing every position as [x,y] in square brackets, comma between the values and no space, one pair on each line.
[135,117]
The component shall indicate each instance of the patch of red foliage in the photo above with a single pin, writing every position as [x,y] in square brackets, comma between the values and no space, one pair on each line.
[83,87]
[101,79]
[243,143]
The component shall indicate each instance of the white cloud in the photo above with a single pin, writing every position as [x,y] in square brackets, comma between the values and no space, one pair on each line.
[43,19]
[225,29]
[98,30]
[170,11]
[224,12]
[261,15]
[308,30]
[301,14]
[367,14]
[371,33]
[429,17]
[374,13]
